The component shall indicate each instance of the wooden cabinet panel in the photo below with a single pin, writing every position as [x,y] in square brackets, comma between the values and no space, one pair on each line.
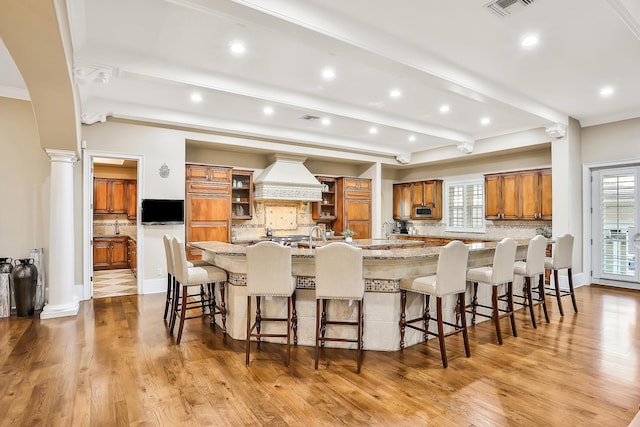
[357,184]
[208,173]
[427,194]
[522,195]
[353,206]
[133,256]
[132,199]
[110,253]
[201,232]
[205,208]
[546,195]
[402,201]
[109,196]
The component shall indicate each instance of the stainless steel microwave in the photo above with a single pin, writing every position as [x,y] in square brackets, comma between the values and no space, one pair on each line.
[423,212]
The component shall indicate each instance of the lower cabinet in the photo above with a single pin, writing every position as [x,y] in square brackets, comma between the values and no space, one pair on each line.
[133,258]
[110,253]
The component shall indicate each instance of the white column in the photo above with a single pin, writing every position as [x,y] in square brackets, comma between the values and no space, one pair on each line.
[62,301]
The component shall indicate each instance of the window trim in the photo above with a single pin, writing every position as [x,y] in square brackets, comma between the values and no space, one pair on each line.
[464,183]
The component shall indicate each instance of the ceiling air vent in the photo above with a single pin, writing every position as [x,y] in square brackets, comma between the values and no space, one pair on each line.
[504,8]
[310,117]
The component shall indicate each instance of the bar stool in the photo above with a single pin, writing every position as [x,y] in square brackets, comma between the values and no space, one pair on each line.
[338,276]
[168,253]
[450,279]
[501,273]
[562,258]
[530,270]
[269,275]
[186,277]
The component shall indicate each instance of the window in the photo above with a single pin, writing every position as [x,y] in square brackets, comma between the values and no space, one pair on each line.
[465,202]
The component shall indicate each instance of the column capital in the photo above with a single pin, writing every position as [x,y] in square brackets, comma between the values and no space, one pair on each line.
[61,155]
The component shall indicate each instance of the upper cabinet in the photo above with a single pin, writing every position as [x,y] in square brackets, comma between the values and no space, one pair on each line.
[409,196]
[353,206]
[241,194]
[523,195]
[325,210]
[131,187]
[109,196]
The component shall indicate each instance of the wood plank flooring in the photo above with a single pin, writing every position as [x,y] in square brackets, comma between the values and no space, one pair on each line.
[115,364]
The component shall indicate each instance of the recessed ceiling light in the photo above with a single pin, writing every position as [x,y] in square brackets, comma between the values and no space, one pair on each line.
[445,108]
[373,130]
[412,138]
[606,91]
[325,121]
[268,110]
[237,48]
[328,74]
[196,97]
[529,40]
[395,93]
[485,120]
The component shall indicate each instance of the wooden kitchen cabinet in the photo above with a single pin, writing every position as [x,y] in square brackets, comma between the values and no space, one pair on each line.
[133,256]
[524,195]
[241,194]
[208,205]
[109,196]
[402,201]
[132,199]
[353,206]
[427,194]
[325,210]
[110,253]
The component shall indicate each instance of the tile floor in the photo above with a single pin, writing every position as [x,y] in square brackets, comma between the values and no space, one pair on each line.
[113,283]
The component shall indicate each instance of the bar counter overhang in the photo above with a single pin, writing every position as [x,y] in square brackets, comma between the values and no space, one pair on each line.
[383,271]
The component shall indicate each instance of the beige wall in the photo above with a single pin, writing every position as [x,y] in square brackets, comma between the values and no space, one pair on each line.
[24,174]
[612,142]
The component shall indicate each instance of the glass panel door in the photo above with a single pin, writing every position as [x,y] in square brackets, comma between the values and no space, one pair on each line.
[615,218]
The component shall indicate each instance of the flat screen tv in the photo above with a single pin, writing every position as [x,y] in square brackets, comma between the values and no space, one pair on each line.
[162,211]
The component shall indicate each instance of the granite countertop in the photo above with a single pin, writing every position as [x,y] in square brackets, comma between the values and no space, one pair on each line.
[228,249]
[372,243]
[113,236]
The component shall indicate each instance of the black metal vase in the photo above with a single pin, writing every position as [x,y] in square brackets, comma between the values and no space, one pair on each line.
[25,277]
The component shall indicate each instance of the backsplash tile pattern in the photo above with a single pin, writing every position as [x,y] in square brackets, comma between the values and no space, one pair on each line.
[107,226]
[286,218]
[495,230]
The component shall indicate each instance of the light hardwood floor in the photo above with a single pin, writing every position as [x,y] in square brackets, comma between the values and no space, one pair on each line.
[115,364]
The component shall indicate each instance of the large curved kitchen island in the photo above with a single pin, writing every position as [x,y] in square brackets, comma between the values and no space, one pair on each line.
[384,269]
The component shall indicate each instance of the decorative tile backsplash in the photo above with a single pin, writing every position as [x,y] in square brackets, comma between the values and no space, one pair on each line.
[107,226]
[495,230]
[285,218]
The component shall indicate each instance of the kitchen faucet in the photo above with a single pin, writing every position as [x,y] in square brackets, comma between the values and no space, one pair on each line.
[117,228]
[386,228]
[314,228]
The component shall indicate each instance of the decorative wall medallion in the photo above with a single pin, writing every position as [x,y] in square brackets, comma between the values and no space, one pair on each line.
[164,171]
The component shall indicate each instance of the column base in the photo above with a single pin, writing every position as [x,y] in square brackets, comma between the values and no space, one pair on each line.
[62,310]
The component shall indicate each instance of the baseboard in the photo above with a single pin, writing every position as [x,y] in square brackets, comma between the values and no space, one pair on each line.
[154,286]
[579,279]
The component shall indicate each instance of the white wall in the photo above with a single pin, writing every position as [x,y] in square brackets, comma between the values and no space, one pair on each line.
[612,142]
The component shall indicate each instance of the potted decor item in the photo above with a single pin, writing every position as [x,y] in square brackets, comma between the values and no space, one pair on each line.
[348,235]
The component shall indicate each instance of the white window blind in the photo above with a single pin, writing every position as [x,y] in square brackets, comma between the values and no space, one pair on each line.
[465,203]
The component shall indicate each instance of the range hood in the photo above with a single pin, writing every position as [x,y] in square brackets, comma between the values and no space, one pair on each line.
[287,179]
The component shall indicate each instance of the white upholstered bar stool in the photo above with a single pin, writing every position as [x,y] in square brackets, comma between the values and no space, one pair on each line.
[168,252]
[562,259]
[501,273]
[185,277]
[338,276]
[531,270]
[269,275]
[450,279]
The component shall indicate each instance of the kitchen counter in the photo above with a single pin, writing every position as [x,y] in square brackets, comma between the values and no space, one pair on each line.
[383,270]
[371,243]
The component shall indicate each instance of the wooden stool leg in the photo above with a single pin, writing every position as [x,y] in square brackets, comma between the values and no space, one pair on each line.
[529,296]
[168,299]
[183,313]
[573,295]
[294,319]
[474,303]
[558,296]
[543,296]
[443,349]
[512,314]
[174,303]
[496,314]
[426,316]
[223,308]
[463,323]
[359,352]
[318,323]
[248,340]
[258,318]
[323,322]
[403,316]
[288,331]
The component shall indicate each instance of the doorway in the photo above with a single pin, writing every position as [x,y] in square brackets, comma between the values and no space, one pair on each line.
[114,229]
[615,229]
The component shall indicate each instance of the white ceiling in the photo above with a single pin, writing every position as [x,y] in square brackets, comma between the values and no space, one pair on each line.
[154,54]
